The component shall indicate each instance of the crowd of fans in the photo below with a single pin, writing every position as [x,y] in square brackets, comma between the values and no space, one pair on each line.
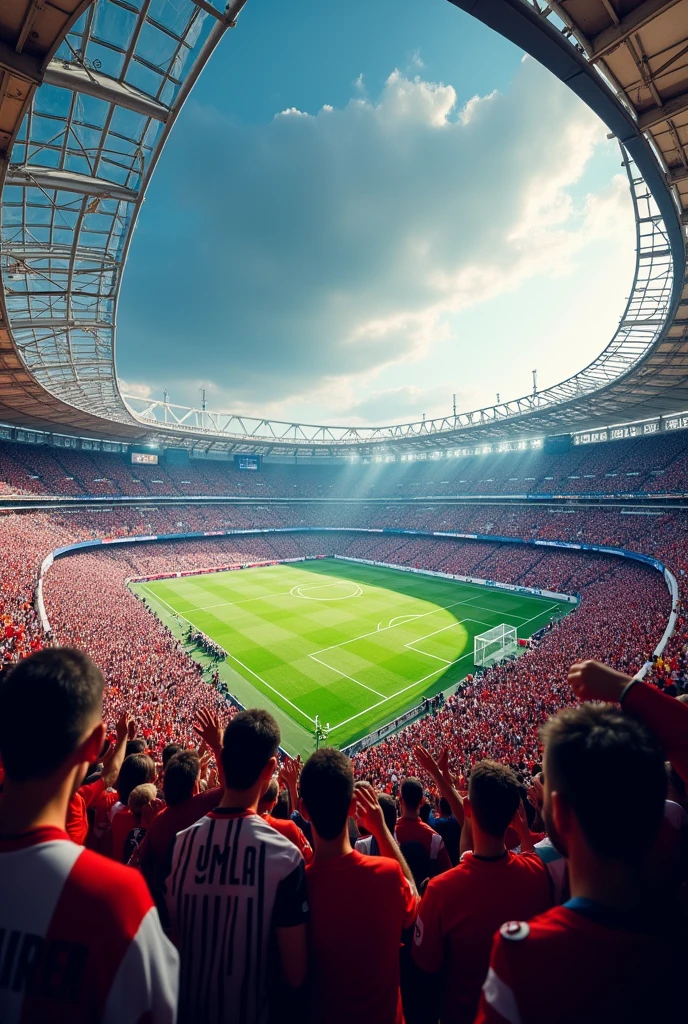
[217,882]
[138,654]
[656,464]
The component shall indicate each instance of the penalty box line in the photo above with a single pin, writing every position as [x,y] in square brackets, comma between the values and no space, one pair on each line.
[443,668]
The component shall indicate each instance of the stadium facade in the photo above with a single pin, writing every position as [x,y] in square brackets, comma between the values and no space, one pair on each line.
[89,91]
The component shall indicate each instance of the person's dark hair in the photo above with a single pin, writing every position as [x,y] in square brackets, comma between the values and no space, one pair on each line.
[271,793]
[389,810]
[181,775]
[610,769]
[494,794]
[411,793]
[169,751]
[327,788]
[135,746]
[251,739]
[136,769]
[58,693]
[445,808]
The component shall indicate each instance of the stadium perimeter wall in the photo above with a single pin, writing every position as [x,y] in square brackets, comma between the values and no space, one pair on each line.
[669,578]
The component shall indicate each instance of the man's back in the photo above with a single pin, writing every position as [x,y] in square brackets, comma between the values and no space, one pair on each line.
[233,880]
[82,940]
[581,962]
[359,906]
[459,914]
[422,847]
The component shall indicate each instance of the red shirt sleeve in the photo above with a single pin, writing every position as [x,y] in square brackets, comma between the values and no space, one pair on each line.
[76,825]
[303,845]
[666,717]
[92,792]
[428,940]
[498,1000]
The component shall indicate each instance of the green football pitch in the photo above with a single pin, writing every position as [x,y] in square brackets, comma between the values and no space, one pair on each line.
[353,644]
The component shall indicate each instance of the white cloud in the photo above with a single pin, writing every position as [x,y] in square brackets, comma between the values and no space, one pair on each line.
[330,258]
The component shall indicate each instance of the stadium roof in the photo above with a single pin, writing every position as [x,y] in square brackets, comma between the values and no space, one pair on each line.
[89,90]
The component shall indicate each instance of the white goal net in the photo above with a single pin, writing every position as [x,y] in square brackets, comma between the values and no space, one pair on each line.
[494,645]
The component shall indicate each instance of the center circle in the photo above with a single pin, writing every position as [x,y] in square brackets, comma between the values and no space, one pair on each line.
[304,590]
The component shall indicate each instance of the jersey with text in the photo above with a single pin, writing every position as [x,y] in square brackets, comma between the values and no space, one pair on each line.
[234,880]
[80,939]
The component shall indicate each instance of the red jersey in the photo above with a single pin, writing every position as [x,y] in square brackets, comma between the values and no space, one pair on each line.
[459,914]
[83,941]
[580,962]
[666,717]
[413,830]
[293,833]
[359,907]
[77,820]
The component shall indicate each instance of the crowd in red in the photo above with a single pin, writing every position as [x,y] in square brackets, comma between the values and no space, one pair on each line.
[623,613]
[654,464]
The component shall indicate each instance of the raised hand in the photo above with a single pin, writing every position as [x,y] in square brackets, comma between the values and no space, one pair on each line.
[368,809]
[590,680]
[207,726]
[519,823]
[428,763]
[536,794]
[289,777]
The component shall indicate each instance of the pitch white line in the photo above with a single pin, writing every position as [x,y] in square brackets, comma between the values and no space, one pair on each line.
[392,696]
[231,657]
[399,692]
[232,604]
[260,679]
[374,632]
[345,676]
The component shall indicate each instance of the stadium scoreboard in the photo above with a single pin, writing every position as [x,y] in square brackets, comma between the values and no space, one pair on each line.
[144,459]
[250,462]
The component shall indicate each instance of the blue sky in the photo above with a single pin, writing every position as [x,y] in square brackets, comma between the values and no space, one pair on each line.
[366,208]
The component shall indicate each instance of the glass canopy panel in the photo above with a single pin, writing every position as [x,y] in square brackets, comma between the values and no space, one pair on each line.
[77,173]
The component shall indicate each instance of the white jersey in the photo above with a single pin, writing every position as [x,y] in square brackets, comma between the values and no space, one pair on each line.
[80,939]
[234,879]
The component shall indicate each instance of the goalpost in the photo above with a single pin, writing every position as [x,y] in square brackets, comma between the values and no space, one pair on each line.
[494,645]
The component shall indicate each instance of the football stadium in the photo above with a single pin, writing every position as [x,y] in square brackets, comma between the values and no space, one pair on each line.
[312,704]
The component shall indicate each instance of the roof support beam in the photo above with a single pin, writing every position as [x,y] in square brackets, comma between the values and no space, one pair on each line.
[57,252]
[606,41]
[26,176]
[43,323]
[102,87]
[677,174]
[673,107]
[23,64]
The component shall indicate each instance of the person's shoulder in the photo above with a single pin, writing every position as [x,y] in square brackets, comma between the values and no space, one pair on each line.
[275,840]
[375,865]
[526,863]
[113,892]
[523,937]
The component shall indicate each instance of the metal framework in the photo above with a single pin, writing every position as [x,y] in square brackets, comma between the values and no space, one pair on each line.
[89,92]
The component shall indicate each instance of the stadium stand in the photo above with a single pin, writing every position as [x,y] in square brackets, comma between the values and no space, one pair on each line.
[656,464]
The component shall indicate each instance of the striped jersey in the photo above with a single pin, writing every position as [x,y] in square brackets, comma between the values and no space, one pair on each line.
[80,938]
[234,879]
